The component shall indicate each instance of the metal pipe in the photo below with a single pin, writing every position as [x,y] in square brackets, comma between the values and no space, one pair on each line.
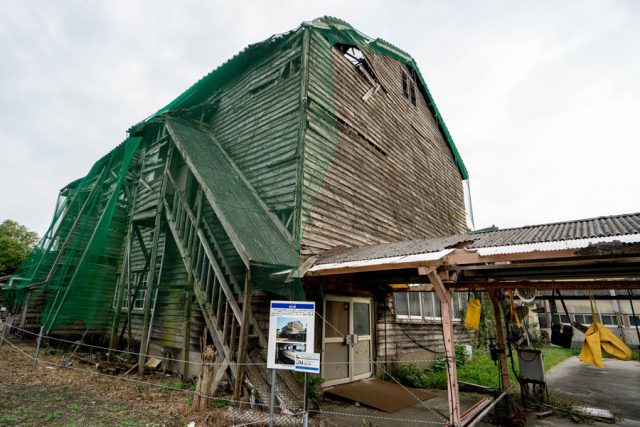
[305,413]
[484,413]
[272,400]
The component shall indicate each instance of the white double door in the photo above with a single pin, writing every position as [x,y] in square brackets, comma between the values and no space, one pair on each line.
[347,343]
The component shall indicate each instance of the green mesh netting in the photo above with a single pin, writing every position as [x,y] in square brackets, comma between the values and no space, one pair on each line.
[73,268]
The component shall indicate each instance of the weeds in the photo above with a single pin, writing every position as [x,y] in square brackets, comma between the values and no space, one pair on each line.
[480,369]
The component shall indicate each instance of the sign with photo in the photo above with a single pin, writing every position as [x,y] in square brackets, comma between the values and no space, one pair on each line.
[291,331]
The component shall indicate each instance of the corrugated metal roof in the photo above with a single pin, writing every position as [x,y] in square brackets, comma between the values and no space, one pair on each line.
[546,237]
[604,226]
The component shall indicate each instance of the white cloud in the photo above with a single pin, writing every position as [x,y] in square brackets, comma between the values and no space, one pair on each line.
[542,98]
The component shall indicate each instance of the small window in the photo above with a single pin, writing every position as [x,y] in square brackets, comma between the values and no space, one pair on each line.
[138,302]
[542,320]
[459,304]
[409,88]
[561,318]
[608,319]
[405,85]
[634,320]
[401,304]
[415,312]
[584,319]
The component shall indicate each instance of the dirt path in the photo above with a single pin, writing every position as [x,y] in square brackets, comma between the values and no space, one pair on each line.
[80,396]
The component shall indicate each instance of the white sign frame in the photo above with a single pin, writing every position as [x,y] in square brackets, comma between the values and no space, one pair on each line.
[291,330]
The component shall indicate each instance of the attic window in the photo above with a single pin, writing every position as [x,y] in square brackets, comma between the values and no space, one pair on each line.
[290,68]
[405,85]
[409,88]
[354,55]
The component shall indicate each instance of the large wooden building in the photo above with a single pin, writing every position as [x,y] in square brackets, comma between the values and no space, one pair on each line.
[308,141]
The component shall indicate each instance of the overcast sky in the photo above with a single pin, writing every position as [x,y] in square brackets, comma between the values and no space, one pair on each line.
[541,98]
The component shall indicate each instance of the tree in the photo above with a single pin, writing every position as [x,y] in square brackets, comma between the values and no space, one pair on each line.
[16,241]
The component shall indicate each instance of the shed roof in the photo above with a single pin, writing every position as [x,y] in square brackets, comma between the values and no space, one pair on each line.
[545,237]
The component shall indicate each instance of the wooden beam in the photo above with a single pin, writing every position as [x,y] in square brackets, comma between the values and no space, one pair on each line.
[633,283]
[244,336]
[152,266]
[502,348]
[186,338]
[449,346]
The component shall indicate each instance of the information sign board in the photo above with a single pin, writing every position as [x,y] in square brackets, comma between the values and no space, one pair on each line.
[291,331]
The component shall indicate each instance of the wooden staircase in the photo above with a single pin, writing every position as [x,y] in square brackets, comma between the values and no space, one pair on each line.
[225,302]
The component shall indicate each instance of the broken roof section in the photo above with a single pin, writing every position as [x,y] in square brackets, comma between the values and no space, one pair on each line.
[335,31]
[537,238]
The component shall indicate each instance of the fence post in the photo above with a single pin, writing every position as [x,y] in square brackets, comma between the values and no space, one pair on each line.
[305,413]
[35,360]
[4,332]
[273,396]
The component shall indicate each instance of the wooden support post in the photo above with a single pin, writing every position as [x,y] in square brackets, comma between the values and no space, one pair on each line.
[186,339]
[244,336]
[152,267]
[445,297]
[205,379]
[502,348]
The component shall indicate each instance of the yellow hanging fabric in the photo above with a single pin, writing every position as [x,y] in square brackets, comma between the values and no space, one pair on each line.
[599,338]
[472,317]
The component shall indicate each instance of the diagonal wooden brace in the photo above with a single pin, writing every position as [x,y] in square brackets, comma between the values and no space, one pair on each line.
[445,297]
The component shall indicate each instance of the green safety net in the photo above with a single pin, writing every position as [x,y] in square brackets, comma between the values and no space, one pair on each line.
[73,273]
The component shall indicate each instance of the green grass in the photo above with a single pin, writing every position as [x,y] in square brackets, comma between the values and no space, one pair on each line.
[479,370]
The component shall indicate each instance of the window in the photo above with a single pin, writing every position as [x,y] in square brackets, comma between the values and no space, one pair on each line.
[459,303]
[430,305]
[131,296]
[405,85]
[426,305]
[561,318]
[585,319]
[634,320]
[409,88]
[608,319]
[542,320]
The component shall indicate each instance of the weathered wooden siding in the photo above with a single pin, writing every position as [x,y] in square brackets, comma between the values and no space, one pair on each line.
[386,173]
[398,338]
[256,119]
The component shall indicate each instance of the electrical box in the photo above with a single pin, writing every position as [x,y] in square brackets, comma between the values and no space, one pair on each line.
[531,365]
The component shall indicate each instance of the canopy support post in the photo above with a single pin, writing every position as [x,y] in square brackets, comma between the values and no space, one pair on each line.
[502,352]
[446,298]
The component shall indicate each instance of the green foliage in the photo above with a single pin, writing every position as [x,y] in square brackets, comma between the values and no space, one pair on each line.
[177,386]
[16,241]
[480,369]
[219,403]
[313,383]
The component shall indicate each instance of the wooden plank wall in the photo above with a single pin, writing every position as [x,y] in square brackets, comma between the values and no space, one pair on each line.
[392,176]
[398,338]
[256,119]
